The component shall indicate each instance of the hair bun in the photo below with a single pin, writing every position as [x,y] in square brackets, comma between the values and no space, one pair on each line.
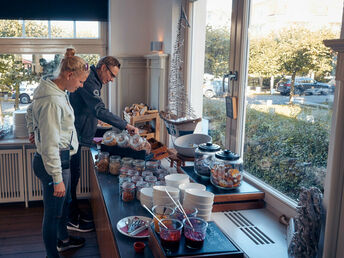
[70,52]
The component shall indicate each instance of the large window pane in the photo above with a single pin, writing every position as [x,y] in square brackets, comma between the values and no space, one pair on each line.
[11,28]
[19,76]
[87,29]
[62,29]
[216,65]
[36,29]
[290,92]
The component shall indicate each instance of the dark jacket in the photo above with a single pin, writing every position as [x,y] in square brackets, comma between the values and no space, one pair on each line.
[89,107]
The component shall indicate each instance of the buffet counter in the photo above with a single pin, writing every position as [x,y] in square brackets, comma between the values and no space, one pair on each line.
[108,209]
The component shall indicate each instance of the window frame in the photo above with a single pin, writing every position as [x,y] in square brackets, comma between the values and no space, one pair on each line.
[56,45]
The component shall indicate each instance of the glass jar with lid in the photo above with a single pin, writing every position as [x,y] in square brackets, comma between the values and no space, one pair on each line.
[139,165]
[122,139]
[147,173]
[135,179]
[127,162]
[103,162]
[115,164]
[139,186]
[151,180]
[132,172]
[122,179]
[128,191]
[204,157]
[226,170]
[109,138]
[152,165]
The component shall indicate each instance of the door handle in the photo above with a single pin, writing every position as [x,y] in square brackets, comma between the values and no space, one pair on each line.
[231,76]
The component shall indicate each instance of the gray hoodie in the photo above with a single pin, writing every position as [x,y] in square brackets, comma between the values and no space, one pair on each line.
[51,118]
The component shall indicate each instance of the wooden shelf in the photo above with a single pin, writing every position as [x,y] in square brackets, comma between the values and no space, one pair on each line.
[133,120]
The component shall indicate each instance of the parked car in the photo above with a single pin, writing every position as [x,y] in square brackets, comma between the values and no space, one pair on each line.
[26,90]
[303,85]
[212,88]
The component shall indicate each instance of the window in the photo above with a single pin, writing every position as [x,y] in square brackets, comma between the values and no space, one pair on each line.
[31,49]
[283,136]
[287,132]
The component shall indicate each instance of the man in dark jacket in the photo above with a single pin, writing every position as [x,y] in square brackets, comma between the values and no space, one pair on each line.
[88,108]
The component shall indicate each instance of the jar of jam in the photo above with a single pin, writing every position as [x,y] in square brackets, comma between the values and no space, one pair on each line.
[204,157]
[132,172]
[128,191]
[147,173]
[152,165]
[151,180]
[139,186]
[115,164]
[226,171]
[136,179]
[103,162]
[122,179]
[139,165]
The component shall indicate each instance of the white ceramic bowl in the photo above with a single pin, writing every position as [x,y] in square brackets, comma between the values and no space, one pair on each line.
[191,204]
[159,189]
[184,186]
[205,217]
[146,192]
[199,196]
[186,144]
[175,180]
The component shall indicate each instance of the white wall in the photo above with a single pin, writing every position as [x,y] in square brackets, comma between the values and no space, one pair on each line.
[133,24]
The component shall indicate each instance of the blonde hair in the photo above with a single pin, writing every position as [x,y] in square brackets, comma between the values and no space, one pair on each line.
[72,63]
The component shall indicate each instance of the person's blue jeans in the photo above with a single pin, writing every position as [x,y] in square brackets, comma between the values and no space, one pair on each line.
[55,208]
[75,168]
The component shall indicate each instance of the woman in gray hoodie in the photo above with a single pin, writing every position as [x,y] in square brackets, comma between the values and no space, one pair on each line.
[51,119]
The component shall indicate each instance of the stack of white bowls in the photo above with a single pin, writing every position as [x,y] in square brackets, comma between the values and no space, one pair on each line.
[160,197]
[200,199]
[175,180]
[19,124]
[184,186]
[146,197]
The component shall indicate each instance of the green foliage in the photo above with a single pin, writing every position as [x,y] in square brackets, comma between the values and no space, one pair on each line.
[10,28]
[216,51]
[215,112]
[287,153]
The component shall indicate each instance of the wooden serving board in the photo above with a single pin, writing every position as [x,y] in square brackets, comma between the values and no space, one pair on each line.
[244,197]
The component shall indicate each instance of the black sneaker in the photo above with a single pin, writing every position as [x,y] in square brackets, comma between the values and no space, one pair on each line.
[85,216]
[74,242]
[80,226]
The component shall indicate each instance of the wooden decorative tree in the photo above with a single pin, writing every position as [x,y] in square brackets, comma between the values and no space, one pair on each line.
[179,116]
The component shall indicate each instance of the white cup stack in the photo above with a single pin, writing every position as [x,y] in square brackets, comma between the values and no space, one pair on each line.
[160,197]
[183,187]
[200,199]
[146,197]
[175,180]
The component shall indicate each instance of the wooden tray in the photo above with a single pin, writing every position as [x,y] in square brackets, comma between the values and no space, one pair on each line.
[216,244]
[245,197]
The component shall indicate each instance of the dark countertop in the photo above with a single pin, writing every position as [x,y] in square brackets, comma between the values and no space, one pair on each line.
[117,209]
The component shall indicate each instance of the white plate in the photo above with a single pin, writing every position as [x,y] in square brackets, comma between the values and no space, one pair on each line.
[121,224]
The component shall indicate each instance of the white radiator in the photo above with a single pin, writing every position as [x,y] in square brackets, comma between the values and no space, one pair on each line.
[35,191]
[11,176]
